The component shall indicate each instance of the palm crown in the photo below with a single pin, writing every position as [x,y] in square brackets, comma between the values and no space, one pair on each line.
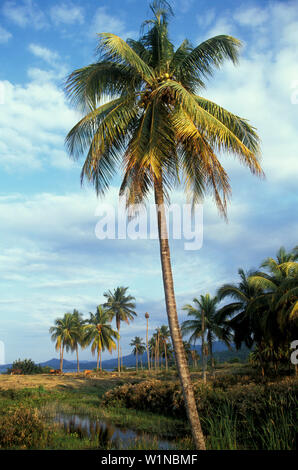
[154,122]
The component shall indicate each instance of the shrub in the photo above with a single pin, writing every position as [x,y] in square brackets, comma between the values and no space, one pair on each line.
[27,366]
[167,398]
[241,415]
[22,428]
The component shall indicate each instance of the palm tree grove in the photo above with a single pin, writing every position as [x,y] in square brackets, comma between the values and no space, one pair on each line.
[136,339]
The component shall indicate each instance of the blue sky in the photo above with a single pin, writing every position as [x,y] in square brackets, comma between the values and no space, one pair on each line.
[50,258]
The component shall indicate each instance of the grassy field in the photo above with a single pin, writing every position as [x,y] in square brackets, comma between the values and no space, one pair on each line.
[238,410]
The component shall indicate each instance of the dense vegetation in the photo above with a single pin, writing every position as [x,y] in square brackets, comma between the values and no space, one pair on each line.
[27,366]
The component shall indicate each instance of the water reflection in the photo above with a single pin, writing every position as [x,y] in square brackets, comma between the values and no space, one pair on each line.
[106,433]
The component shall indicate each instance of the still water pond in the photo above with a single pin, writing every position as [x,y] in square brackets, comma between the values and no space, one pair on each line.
[107,434]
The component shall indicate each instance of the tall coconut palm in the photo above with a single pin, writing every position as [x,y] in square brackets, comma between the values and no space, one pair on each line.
[161,131]
[57,336]
[205,324]
[138,348]
[121,307]
[99,333]
[147,345]
[66,333]
[78,341]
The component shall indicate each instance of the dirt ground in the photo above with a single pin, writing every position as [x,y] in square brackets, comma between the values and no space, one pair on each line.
[69,380]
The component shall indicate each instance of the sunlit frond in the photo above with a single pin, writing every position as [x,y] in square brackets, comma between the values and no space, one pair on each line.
[116,48]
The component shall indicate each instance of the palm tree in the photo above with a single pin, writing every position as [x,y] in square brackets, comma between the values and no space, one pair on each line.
[138,348]
[207,324]
[164,335]
[121,307]
[244,324]
[147,345]
[57,335]
[78,319]
[162,132]
[187,349]
[152,350]
[195,357]
[66,333]
[156,336]
[142,349]
[99,333]
[277,299]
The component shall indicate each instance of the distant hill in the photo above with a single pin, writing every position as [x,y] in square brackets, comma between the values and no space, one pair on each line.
[220,350]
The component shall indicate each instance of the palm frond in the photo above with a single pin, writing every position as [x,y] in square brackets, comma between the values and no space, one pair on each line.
[117,50]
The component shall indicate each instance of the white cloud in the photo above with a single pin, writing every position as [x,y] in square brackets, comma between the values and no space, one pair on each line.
[4,35]
[103,22]
[251,16]
[221,26]
[259,89]
[24,13]
[67,13]
[44,53]
[34,125]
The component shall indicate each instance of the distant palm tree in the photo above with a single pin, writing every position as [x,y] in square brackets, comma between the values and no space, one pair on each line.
[138,348]
[78,319]
[195,357]
[164,335]
[162,132]
[120,306]
[245,326]
[187,349]
[277,298]
[156,336]
[152,351]
[66,333]
[142,349]
[99,333]
[147,345]
[207,324]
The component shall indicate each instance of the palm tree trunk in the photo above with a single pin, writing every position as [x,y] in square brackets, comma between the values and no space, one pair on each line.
[61,363]
[60,349]
[97,363]
[78,365]
[212,358]
[118,344]
[166,358]
[157,350]
[189,398]
[204,358]
[147,346]
[100,361]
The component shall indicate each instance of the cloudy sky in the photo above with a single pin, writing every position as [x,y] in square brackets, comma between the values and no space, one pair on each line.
[50,259]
